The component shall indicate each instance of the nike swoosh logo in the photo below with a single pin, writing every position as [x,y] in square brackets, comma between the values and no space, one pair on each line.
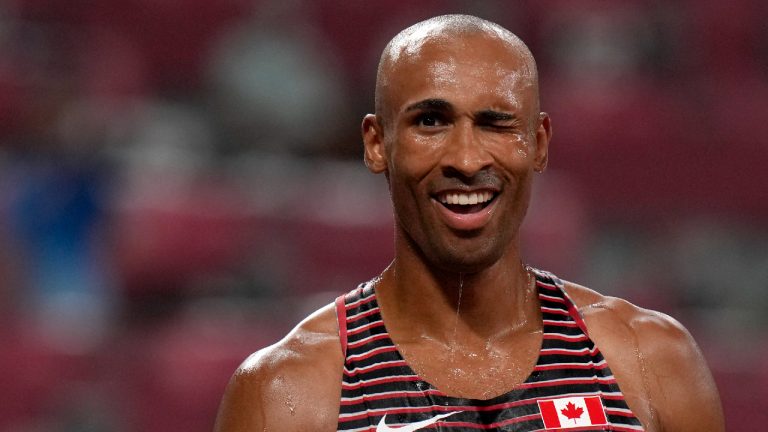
[382,426]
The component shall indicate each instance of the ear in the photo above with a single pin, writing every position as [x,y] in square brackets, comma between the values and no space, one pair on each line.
[373,141]
[543,136]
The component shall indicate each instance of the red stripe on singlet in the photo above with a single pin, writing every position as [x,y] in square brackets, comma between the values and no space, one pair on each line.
[389,395]
[561,351]
[572,366]
[379,381]
[566,338]
[618,412]
[374,367]
[357,317]
[566,381]
[362,328]
[492,425]
[551,299]
[547,286]
[341,319]
[364,341]
[359,302]
[555,311]
[560,323]
[371,353]
[576,315]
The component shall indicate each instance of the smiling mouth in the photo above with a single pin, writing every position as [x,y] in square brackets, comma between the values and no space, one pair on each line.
[466,202]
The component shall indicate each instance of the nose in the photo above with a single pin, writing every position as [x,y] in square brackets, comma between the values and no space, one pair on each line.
[464,151]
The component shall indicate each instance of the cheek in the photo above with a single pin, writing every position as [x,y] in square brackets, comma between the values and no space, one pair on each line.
[403,187]
[513,153]
[413,157]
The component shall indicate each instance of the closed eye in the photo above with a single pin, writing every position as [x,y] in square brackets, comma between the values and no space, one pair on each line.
[496,120]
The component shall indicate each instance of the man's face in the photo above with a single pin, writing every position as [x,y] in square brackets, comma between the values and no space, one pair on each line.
[460,133]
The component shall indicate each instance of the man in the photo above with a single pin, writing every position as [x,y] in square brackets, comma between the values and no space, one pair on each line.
[457,334]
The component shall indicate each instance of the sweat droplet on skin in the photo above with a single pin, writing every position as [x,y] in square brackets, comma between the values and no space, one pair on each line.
[456,321]
[291,406]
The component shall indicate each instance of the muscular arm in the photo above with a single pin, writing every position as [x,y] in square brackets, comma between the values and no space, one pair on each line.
[293,385]
[681,385]
[658,365]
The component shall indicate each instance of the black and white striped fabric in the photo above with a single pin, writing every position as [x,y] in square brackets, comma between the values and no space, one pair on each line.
[380,392]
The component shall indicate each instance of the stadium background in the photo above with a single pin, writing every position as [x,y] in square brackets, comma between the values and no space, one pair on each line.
[181,182]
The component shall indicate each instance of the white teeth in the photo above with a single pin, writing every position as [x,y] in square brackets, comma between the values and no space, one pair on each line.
[466,198]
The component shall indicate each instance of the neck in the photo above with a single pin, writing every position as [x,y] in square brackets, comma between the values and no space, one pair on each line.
[426,301]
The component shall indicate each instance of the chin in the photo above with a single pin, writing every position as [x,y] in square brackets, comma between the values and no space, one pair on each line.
[466,260]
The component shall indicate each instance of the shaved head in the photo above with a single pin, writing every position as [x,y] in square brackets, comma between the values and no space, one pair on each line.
[446,30]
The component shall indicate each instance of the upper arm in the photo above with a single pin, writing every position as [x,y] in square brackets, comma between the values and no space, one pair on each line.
[680,384]
[293,385]
[243,407]
[657,364]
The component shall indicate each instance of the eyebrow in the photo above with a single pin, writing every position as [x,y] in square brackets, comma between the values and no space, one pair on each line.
[430,104]
[436,104]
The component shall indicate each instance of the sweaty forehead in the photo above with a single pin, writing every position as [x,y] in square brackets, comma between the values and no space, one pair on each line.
[434,54]
[410,40]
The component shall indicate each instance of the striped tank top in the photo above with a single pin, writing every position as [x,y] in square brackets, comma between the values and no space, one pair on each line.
[571,386]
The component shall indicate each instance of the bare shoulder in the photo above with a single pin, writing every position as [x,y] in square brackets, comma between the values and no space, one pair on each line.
[656,361]
[293,385]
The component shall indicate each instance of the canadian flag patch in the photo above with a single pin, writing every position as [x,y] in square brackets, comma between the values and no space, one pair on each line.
[572,412]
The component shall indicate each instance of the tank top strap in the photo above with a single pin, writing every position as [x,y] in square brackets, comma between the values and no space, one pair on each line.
[347,305]
[551,286]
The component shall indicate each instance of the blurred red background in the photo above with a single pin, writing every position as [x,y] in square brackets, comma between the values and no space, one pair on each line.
[181,182]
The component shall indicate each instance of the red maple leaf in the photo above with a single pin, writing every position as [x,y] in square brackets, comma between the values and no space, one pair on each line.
[572,411]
